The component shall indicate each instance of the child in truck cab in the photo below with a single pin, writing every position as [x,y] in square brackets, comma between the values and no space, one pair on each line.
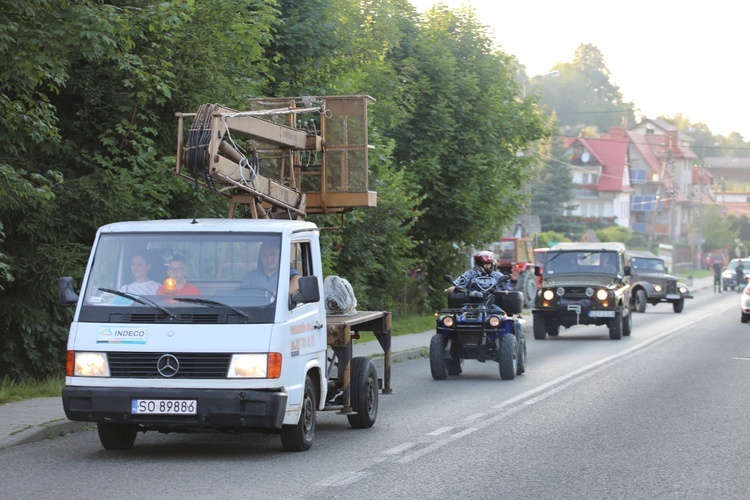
[266,275]
[175,284]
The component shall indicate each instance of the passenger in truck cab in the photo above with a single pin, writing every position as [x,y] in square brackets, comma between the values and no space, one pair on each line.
[175,284]
[142,284]
[266,275]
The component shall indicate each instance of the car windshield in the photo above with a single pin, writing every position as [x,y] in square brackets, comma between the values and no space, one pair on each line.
[581,262]
[653,265]
[733,264]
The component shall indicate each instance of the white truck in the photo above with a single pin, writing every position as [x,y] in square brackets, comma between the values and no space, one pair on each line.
[209,350]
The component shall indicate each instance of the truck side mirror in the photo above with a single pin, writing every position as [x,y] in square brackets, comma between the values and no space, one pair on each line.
[309,291]
[65,293]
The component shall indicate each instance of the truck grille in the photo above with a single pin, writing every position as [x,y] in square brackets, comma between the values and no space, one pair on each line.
[146,365]
[198,319]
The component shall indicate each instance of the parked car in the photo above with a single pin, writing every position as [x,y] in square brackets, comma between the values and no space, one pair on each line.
[729,275]
[745,304]
[651,284]
[712,257]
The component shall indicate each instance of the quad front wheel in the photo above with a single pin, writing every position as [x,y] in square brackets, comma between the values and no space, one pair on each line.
[437,358]
[506,357]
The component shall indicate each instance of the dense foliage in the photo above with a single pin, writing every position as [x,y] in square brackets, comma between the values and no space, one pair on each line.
[88,92]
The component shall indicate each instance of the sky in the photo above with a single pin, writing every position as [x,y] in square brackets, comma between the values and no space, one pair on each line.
[667,57]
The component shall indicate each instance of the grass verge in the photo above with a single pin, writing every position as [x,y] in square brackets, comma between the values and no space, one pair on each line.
[11,391]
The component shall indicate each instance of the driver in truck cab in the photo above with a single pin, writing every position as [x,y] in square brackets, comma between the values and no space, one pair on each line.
[266,275]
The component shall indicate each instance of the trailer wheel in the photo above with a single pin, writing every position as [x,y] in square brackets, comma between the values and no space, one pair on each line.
[299,437]
[437,358]
[527,284]
[116,436]
[364,392]
[506,357]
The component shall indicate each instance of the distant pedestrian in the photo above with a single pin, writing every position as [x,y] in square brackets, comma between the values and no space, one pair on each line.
[740,270]
[717,276]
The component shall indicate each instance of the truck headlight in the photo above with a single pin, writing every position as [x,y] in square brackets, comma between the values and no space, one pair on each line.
[89,364]
[255,366]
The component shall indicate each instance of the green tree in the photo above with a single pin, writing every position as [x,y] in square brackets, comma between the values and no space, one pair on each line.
[584,96]
[461,141]
[553,191]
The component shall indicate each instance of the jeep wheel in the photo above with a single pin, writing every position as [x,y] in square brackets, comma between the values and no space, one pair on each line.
[640,301]
[615,328]
[745,318]
[527,284]
[540,330]
[677,305]
[506,357]
[627,324]
[553,329]
[438,366]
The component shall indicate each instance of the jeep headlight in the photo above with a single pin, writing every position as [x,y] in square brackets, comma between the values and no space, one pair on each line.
[89,364]
[602,294]
[267,365]
[658,288]
[548,294]
[683,289]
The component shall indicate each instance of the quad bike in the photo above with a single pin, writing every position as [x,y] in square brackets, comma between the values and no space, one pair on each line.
[479,326]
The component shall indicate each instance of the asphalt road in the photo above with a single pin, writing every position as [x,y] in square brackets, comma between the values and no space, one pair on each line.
[658,415]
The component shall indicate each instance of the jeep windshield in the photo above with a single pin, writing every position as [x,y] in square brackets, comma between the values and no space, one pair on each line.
[648,265]
[188,277]
[581,262]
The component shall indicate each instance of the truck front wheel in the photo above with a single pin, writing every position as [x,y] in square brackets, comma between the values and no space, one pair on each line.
[364,393]
[116,436]
[299,437]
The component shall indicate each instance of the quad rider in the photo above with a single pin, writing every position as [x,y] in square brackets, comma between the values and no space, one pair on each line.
[485,278]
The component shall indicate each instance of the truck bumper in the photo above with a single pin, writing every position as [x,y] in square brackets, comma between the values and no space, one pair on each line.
[215,408]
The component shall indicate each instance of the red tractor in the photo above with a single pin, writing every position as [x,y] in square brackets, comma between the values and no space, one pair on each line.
[518,254]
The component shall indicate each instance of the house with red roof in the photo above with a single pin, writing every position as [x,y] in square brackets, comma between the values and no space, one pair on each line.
[662,175]
[600,168]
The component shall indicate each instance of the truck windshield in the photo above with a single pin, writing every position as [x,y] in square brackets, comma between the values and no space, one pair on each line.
[239,271]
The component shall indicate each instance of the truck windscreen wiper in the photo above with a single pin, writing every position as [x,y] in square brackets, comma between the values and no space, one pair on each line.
[140,300]
[211,303]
